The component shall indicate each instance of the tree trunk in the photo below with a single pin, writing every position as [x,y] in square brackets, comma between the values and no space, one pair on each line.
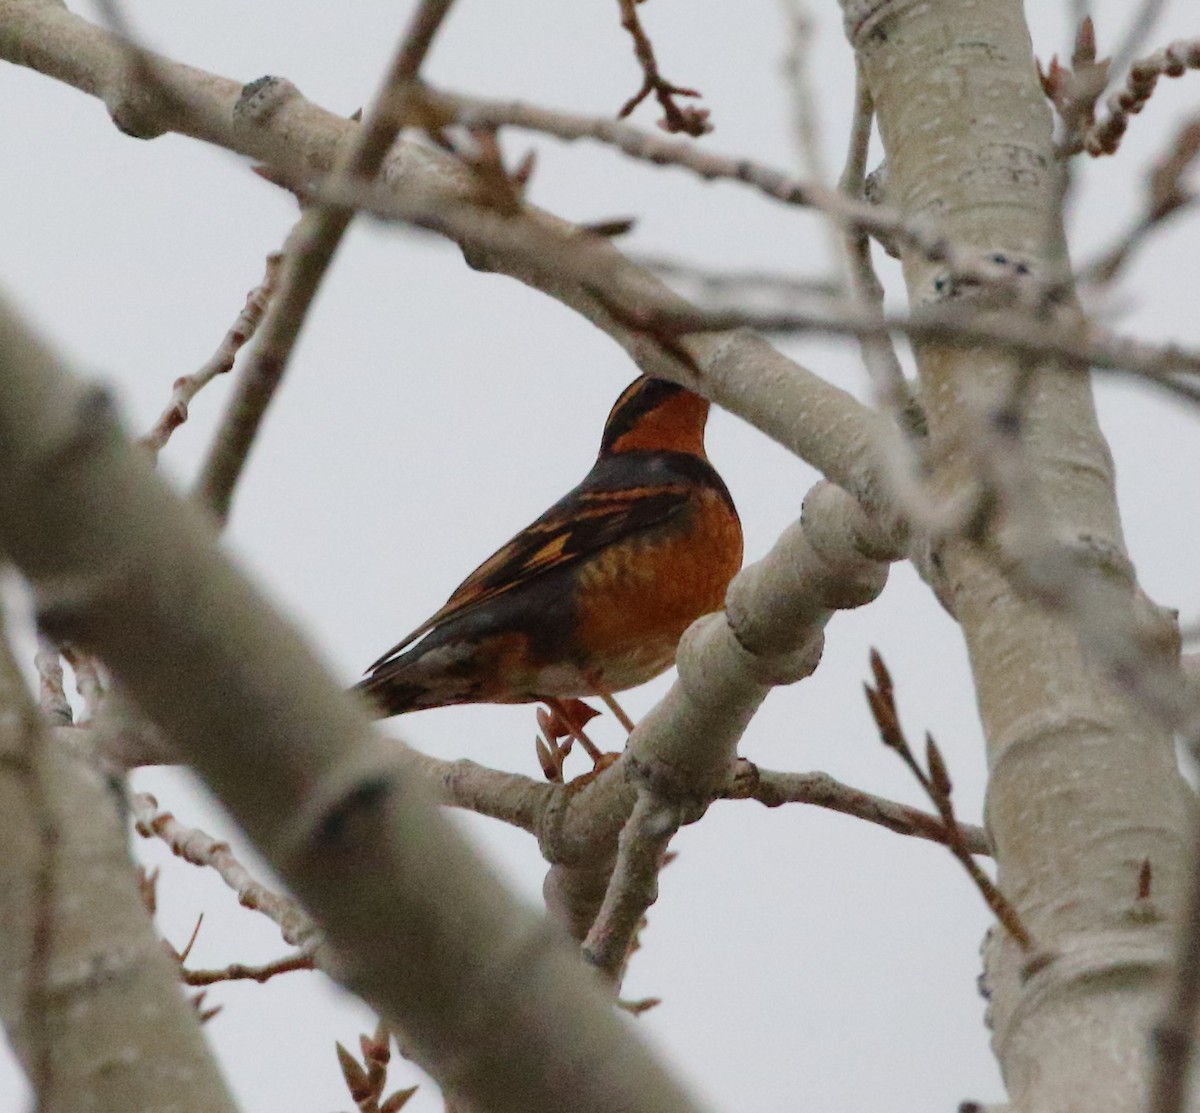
[1084,786]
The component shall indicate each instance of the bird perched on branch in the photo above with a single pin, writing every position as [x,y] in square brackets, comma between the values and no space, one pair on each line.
[593,597]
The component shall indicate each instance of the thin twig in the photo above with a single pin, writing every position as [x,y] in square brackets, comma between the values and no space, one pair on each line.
[236,971]
[1141,23]
[879,355]
[193,845]
[510,797]
[774,789]
[565,255]
[937,785]
[688,119]
[524,802]
[903,440]
[1104,137]
[881,221]
[1011,331]
[1166,196]
[806,129]
[307,257]
[805,109]
[735,286]
[220,362]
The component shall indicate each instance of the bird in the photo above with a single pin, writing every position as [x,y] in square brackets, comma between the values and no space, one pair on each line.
[591,598]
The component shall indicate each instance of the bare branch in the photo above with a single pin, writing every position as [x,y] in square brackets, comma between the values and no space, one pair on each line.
[1141,24]
[235,971]
[509,797]
[194,846]
[633,886]
[545,256]
[1173,61]
[774,789]
[419,925]
[736,288]
[1166,196]
[891,389]
[936,783]
[875,220]
[307,256]
[805,109]
[684,750]
[693,121]
[276,124]
[220,362]
[90,1000]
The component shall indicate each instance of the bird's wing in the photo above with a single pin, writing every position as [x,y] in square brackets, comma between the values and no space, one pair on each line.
[578,525]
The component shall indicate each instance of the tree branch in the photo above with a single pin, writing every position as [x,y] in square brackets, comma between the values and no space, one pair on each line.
[186,387]
[773,789]
[484,993]
[90,1000]
[1083,783]
[1172,61]
[818,421]
[683,752]
[200,849]
[306,258]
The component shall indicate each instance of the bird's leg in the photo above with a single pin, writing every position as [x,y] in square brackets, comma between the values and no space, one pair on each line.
[610,701]
[550,754]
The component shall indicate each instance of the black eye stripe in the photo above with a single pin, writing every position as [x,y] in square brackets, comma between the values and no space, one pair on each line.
[640,398]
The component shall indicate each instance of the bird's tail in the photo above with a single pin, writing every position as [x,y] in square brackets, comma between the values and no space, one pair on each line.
[424,676]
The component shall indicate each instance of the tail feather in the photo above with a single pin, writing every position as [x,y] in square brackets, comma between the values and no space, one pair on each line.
[426,676]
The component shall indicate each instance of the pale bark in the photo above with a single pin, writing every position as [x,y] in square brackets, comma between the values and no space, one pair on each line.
[275,124]
[1084,789]
[89,998]
[485,992]
[683,752]
[1084,786]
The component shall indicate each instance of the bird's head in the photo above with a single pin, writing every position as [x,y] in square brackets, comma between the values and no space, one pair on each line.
[653,415]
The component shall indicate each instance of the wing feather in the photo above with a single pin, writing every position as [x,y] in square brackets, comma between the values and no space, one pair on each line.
[578,525]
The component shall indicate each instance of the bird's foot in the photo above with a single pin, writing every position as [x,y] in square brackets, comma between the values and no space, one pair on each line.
[585,779]
[561,727]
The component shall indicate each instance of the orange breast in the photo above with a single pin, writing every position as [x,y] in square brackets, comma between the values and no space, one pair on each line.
[636,599]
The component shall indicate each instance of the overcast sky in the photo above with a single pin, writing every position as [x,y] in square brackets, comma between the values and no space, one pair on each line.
[432,411]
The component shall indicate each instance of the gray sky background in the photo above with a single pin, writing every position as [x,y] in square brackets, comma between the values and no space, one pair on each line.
[432,411]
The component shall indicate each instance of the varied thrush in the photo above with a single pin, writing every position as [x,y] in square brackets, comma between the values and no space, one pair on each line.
[593,597]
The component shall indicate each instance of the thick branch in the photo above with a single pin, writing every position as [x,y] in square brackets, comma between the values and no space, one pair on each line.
[683,753]
[88,997]
[484,993]
[1083,787]
[276,125]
